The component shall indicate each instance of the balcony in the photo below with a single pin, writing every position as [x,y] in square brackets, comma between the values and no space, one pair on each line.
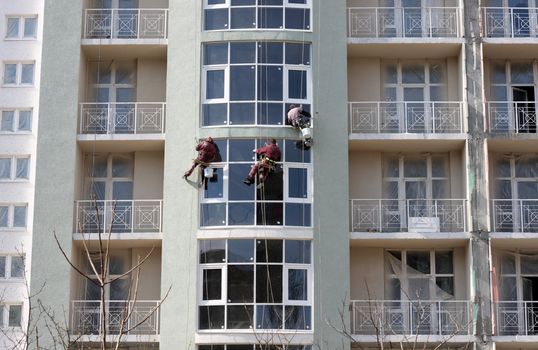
[142,23]
[411,215]
[131,318]
[408,22]
[406,117]
[517,318]
[512,117]
[515,215]
[510,22]
[397,317]
[133,118]
[121,217]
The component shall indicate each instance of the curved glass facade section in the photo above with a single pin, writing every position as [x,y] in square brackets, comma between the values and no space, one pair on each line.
[284,200]
[255,284]
[254,83]
[257,14]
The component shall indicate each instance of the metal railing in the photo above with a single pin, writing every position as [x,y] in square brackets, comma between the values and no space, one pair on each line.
[122,118]
[118,216]
[418,215]
[510,22]
[515,215]
[512,117]
[398,317]
[142,320]
[517,317]
[408,22]
[141,23]
[406,117]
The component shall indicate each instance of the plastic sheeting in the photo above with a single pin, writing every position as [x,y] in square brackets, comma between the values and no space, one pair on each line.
[417,280]
[528,267]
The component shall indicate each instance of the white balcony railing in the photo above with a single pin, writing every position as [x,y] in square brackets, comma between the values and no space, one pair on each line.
[122,118]
[406,117]
[512,117]
[515,215]
[414,215]
[142,23]
[118,216]
[143,319]
[517,318]
[510,22]
[396,317]
[408,22]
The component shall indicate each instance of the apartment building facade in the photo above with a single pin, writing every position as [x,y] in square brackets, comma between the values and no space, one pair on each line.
[20,57]
[409,222]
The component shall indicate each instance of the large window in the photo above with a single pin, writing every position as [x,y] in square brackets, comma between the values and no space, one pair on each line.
[255,284]
[254,347]
[284,200]
[257,14]
[246,83]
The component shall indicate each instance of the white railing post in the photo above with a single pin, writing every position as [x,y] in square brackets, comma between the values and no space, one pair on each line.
[138,23]
[433,117]
[438,313]
[135,119]
[376,14]
[381,214]
[430,23]
[378,106]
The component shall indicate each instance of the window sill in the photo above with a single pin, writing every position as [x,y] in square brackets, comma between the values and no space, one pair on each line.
[20,39]
[18,85]
[16,133]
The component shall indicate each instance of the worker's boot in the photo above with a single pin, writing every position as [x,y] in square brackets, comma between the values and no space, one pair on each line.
[248,180]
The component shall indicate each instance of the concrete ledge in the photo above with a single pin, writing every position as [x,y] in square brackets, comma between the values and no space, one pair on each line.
[256,232]
[253,337]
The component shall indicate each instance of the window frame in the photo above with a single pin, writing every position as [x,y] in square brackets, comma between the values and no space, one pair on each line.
[14,159]
[285,166]
[8,276]
[224,302]
[18,74]
[21,27]
[5,310]
[258,100]
[15,126]
[286,4]
[11,217]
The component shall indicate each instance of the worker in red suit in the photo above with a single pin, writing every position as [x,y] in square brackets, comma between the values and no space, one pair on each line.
[207,152]
[268,156]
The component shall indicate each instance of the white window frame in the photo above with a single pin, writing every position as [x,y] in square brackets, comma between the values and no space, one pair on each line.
[286,93]
[216,6]
[226,97]
[5,308]
[109,180]
[8,267]
[16,121]
[13,170]
[285,273]
[11,217]
[123,254]
[18,74]
[22,26]
[309,187]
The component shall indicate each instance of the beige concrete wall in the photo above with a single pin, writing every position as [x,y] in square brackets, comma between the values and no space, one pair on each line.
[364,79]
[156,4]
[149,287]
[367,266]
[365,175]
[148,175]
[151,80]
[457,174]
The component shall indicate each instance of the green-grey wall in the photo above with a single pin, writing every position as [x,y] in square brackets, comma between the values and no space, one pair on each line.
[56,158]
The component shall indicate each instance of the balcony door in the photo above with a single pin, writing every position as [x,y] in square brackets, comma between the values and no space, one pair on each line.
[110,183]
[414,183]
[123,17]
[114,90]
[416,87]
